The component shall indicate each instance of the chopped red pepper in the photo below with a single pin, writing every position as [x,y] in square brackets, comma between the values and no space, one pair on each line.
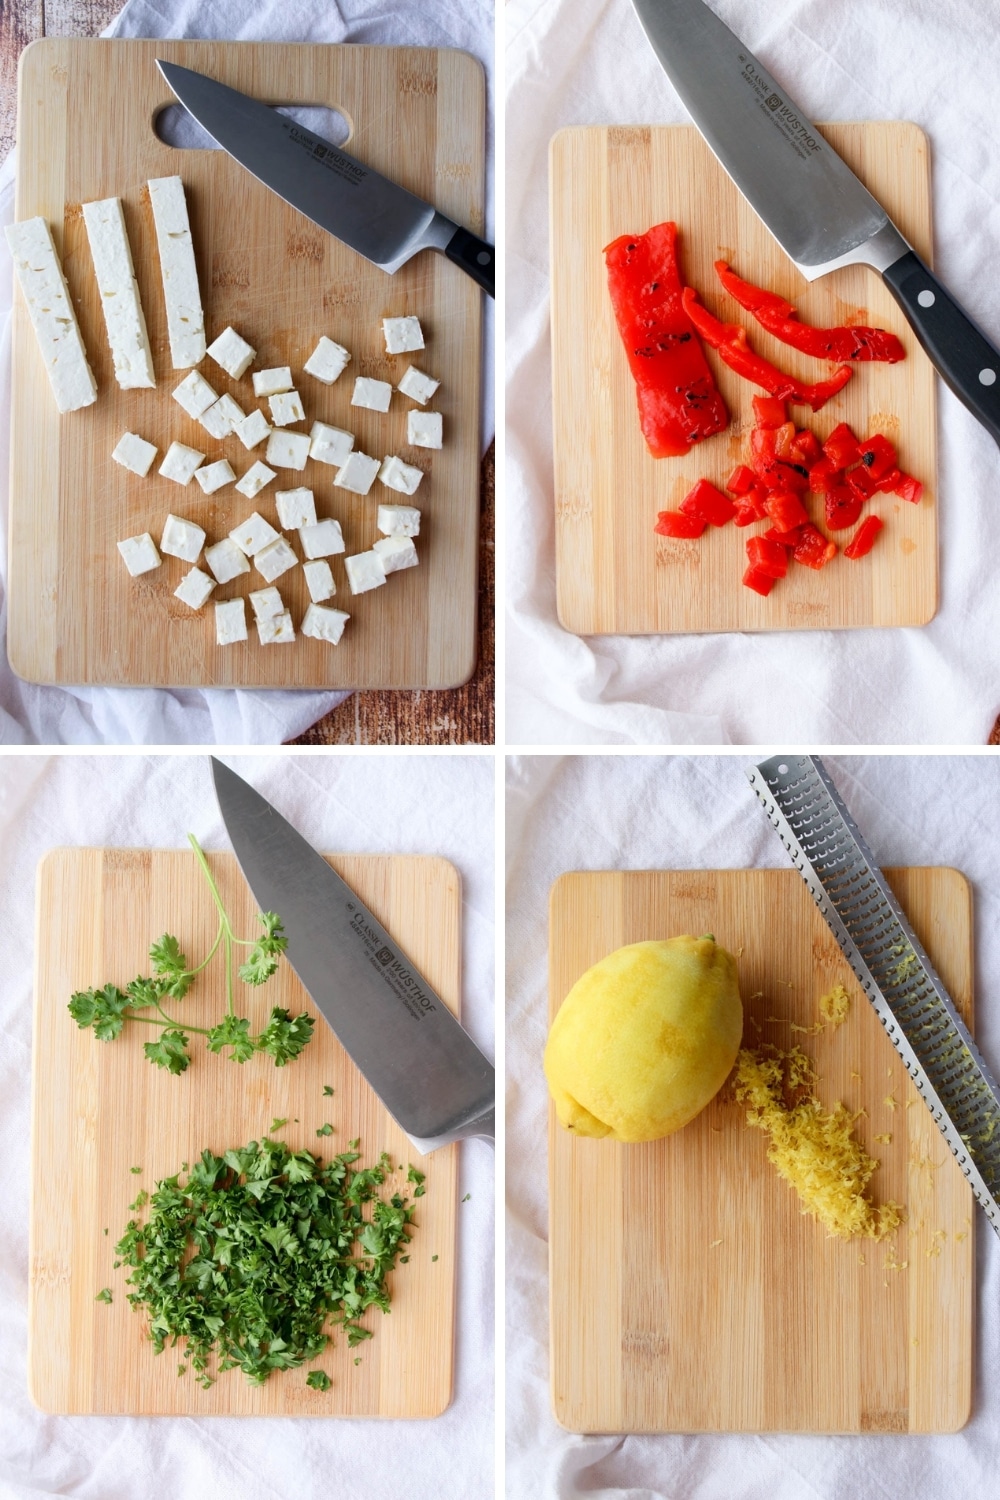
[679,403]
[706,503]
[863,539]
[774,474]
[745,515]
[789,539]
[767,556]
[842,508]
[909,488]
[861,482]
[805,449]
[887,485]
[786,510]
[780,318]
[822,475]
[877,454]
[731,341]
[841,447]
[813,549]
[769,411]
[761,583]
[673,523]
[741,480]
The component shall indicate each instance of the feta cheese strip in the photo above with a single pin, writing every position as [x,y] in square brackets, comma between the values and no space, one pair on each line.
[123,315]
[43,285]
[178,272]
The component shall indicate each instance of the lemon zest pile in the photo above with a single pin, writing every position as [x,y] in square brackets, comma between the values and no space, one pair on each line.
[835,1006]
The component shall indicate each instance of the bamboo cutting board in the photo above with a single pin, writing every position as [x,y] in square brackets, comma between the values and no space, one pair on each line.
[101,1108]
[86,111]
[688,1292]
[614,575]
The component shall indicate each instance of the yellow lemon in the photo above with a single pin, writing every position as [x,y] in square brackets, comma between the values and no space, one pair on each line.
[645,1039]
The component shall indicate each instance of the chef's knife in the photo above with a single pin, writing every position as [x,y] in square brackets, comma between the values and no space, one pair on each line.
[810,200]
[354,203]
[428,1072]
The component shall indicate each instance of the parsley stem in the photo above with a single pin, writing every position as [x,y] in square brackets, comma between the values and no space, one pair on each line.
[190,973]
[177,1025]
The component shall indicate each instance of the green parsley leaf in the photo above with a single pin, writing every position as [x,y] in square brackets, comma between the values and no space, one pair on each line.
[277,1123]
[467,1197]
[104,1296]
[319,1380]
[233,1032]
[326,1129]
[327,1089]
[433,1257]
[264,954]
[285,1036]
[140,1200]
[136,1170]
[168,1051]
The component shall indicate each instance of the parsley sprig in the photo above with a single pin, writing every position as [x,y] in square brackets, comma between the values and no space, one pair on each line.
[107,1009]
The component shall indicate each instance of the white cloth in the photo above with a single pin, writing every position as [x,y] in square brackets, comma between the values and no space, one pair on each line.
[588,62]
[426,805]
[681,812]
[148,716]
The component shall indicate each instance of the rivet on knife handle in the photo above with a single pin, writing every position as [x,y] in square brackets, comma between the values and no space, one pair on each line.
[877,940]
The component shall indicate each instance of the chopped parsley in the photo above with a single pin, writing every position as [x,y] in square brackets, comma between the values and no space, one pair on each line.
[327,1089]
[277,1123]
[326,1129]
[104,1295]
[319,1380]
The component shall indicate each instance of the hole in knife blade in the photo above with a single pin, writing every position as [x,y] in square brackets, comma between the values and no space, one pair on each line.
[175,127]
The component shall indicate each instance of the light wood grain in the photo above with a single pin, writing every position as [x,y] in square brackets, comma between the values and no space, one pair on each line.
[688,1292]
[613,573]
[85,131]
[100,1109]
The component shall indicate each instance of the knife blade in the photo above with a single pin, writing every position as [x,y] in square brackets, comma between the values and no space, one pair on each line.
[426,1069]
[808,197]
[375,216]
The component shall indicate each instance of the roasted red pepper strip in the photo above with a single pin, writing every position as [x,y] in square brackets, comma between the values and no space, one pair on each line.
[780,318]
[678,400]
[731,341]
[863,539]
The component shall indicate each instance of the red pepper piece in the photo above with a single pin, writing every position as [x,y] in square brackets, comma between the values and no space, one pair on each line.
[789,539]
[878,455]
[731,341]
[813,549]
[741,480]
[774,474]
[842,508]
[761,583]
[806,449]
[863,539]
[887,484]
[786,510]
[779,317]
[769,411]
[841,447]
[823,475]
[706,503]
[677,396]
[861,482]
[909,488]
[767,556]
[745,515]
[673,523]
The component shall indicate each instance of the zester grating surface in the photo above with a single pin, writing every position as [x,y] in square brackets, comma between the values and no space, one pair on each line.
[895,972]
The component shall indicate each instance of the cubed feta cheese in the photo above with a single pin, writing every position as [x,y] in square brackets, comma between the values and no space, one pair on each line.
[120,302]
[324,624]
[230,622]
[195,394]
[140,554]
[194,588]
[255,479]
[396,475]
[423,428]
[266,602]
[134,453]
[295,508]
[180,462]
[182,539]
[253,429]
[357,474]
[213,476]
[276,630]
[364,571]
[252,534]
[329,445]
[327,361]
[221,419]
[323,539]
[288,450]
[398,520]
[234,354]
[417,385]
[286,407]
[396,552]
[274,559]
[319,581]
[402,334]
[226,560]
[269,382]
[178,272]
[53,318]
[375,394]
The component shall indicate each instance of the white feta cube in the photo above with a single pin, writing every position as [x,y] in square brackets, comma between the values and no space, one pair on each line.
[178,272]
[396,552]
[195,394]
[323,539]
[53,317]
[288,450]
[270,382]
[180,462]
[276,630]
[213,476]
[324,624]
[286,407]
[418,386]
[402,335]
[329,445]
[396,475]
[266,602]
[319,581]
[134,453]
[364,571]
[274,559]
[230,622]
[253,429]
[226,560]
[234,354]
[423,428]
[327,361]
[357,473]
[252,534]
[295,508]
[194,588]
[255,479]
[139,554]
[398,520]
[120,302]
[375,394]
[182,539]
[221,419]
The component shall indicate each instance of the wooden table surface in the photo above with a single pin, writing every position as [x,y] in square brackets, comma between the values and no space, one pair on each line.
[463,716]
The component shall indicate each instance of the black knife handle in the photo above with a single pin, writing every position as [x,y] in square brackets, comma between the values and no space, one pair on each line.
[474,256]
[962,354]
